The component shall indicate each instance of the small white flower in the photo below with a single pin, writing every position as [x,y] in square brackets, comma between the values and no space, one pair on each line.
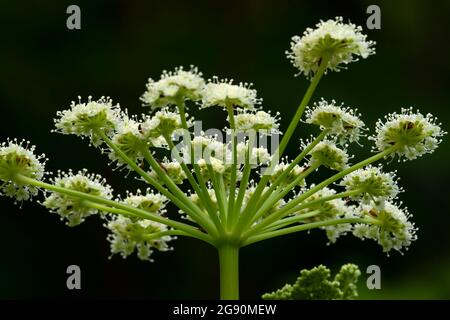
[84,119]
[373,184]
[259,121]
[130,235]
[342,122]
[413,134]
[73,209]
[327,154]
[18,158]
[224,93]
[393,230]
[173,88]
[332,39]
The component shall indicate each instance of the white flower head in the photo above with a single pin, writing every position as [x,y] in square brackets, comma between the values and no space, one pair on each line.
[341,122]
[173,169]
[140,235]
[259,121]
[73,209]
[18,158]
[151,202]
[204,147]
[412,134]
[281,167]
[373,184]
[163,123]
[173,88]
[393,230]
[340,43]
[327,154]
[85,119]
[129,140]
[224,93]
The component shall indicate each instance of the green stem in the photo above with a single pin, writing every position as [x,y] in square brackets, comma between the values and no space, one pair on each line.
[245,179]
[198,214]
[277,195]
[252,208]
[118,207]
[301,108]
[229,272]
[280,214]
[291,220]
[317,201]
[185,206]
[232,189]
[307,226]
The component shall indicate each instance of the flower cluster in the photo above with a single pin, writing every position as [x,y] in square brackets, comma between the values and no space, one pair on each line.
[334,41]
[71,208]
[371,184]
[174,87]
[18,158]
[393,230]
[327,154]
[341,122]
[86,119]
[141,235]
[224,93]
[411,133]
[259,121]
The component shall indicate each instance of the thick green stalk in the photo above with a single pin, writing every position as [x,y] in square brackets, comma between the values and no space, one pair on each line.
[229,272]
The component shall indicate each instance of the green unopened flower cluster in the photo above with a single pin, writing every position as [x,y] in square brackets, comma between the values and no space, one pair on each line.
[315,284]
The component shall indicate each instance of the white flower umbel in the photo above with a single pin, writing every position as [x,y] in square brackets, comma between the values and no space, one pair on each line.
[173,169]
[412,133]
[163,123]
[373,185]
[129,140]
[151,202]
[293,174]
[327,154]
[259,121]
[18,158]
[174,88]
[335,42]
[85,119]
[341,122]
[71,208]
[224,93]
[393,229]
[140,235]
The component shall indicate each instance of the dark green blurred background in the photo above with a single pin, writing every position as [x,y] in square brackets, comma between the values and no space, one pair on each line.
[44,66]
